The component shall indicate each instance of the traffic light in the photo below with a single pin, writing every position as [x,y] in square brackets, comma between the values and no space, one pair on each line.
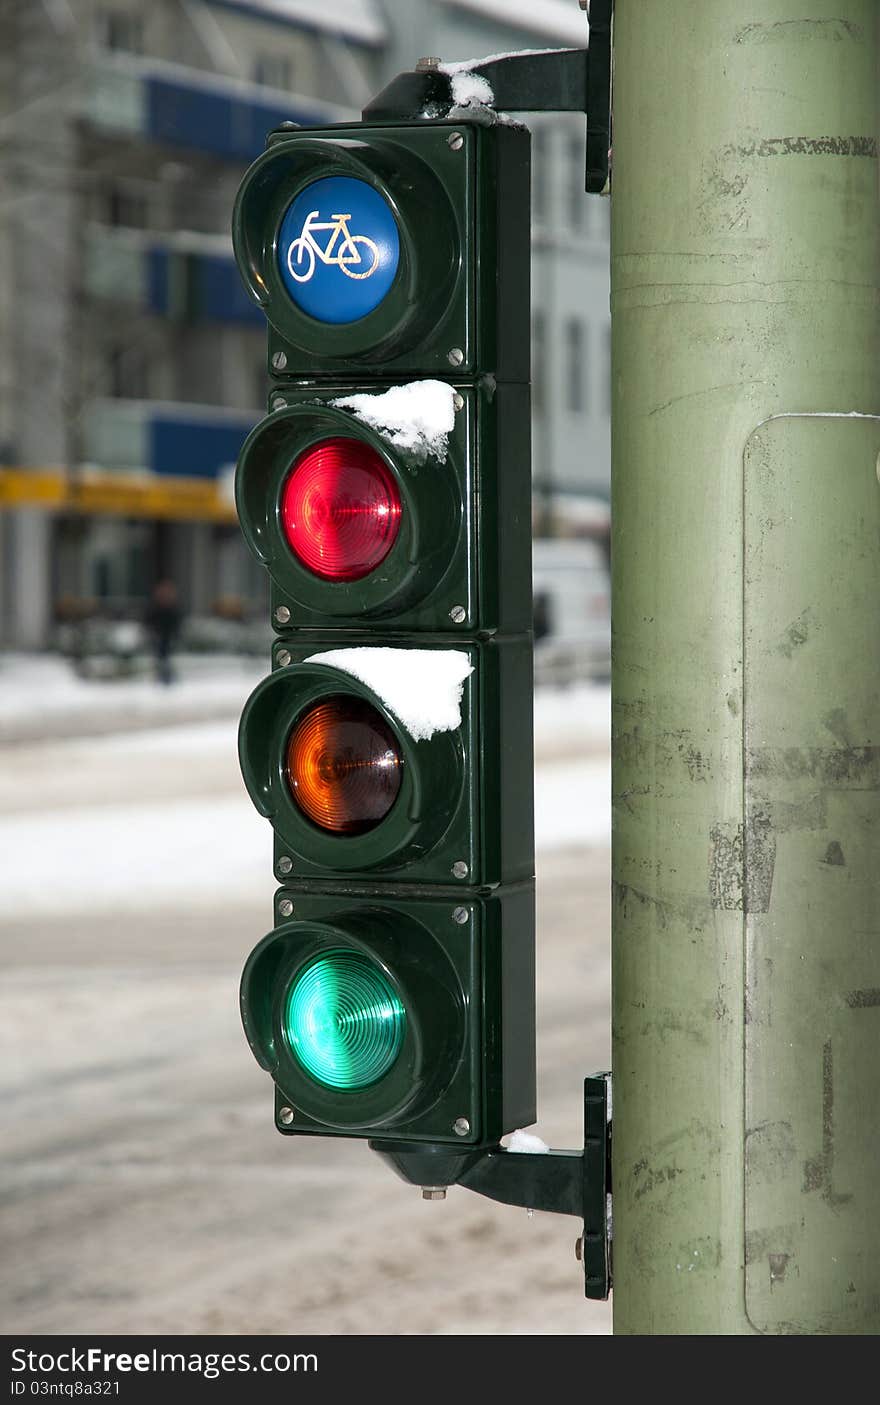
[388,495]
[390,250]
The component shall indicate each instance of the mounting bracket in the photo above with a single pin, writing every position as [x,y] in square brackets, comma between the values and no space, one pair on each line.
[563,1182]
[553,80]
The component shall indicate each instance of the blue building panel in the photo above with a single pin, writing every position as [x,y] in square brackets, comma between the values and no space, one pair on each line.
[223,124]
[157,281]
[219,295]
[198,288]
[190,448]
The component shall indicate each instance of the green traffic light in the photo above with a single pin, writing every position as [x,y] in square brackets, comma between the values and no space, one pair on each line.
[343,1021]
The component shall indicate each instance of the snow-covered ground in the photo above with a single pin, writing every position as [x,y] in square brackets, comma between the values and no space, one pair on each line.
[148,810]
[41,696]
[111,824]
[136,876]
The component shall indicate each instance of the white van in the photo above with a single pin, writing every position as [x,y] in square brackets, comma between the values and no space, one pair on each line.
[572,593]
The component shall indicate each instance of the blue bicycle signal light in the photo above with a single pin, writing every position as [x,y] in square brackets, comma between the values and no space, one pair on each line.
[338,249]
[389,248]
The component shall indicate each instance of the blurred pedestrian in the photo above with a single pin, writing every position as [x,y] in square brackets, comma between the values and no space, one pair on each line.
[163,620]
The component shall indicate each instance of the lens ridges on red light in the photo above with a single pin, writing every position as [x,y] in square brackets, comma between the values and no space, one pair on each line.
[340,509]
[343,765]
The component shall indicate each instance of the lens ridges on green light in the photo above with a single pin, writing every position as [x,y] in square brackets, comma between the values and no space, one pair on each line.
[343,1021]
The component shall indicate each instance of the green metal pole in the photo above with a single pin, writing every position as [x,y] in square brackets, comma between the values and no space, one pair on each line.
[746,684]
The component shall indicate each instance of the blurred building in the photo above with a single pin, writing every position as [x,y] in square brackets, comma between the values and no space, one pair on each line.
[131,362]
[571,318]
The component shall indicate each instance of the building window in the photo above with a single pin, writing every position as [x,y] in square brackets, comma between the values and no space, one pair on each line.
[274,71]
[575,365]
[126,208]
[128,372]
[540,155]
[539,360]
[121,31]
[578,200]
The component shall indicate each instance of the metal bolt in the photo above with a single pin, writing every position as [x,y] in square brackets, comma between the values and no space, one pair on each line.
[457,401]
[285,907]
[285,864]
[279,360]
[286,1115]
[459,869]
[433,1192]
[282,614]
[461,1126]
[456,141]
[455,356]
[279,404]
[579,1248]
[283,657]
[457,614]
[460,915]
[424,65]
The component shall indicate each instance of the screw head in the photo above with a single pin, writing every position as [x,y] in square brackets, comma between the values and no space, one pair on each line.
[455,356]
[282,614]
[279,360]
[455,140]
[285,907]
[461,1126]
[457,401]
[433,1192]
[283,657]
[285,864]
[457,614]
[279,404]
[459,869]
[460,915]
[286,1115]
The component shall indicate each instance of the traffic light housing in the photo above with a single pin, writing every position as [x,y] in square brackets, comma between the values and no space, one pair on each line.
[453,561]
[452,277]
[462,804]
[397,1014]
[388,495]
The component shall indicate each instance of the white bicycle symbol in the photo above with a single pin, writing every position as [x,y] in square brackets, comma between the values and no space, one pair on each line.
[348,257]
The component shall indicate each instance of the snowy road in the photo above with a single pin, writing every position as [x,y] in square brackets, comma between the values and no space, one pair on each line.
[63,855]
[144,1188]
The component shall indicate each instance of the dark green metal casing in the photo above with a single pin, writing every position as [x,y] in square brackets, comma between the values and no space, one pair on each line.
[438,896]
[460,195]
[466,520]
[464,968]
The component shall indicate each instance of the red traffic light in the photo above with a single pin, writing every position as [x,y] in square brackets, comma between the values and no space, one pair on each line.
[343,765]
[340,509]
